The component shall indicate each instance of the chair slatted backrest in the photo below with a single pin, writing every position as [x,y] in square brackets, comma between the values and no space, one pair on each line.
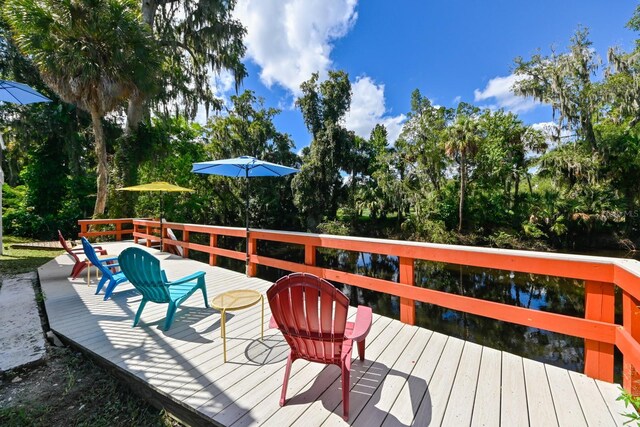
[311,314]
[144,272]
[92,256]
[67,247]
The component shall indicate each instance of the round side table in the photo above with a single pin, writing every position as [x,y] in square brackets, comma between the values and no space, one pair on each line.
[236,300]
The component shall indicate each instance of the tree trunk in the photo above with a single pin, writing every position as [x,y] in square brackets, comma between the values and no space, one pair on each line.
[102,168]
[516,190]
[136,111]
[149,8]
[137,108]
[463,184]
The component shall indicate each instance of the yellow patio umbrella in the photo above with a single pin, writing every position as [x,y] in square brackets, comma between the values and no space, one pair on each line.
[162,187]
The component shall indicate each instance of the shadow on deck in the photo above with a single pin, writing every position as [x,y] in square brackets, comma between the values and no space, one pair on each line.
[411,376]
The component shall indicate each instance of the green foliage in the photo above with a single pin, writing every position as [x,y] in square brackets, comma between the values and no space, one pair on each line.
[318,187]
[174,144]
[248,129]
[335,227]
[634,402]
[92,53]
[194,37]
[454,175]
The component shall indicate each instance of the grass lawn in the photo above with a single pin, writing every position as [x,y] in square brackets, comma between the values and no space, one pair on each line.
[16,261]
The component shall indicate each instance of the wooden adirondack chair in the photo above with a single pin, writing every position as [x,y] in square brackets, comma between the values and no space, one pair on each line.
[107,266]
[143,270]
[312,315]
[79,265]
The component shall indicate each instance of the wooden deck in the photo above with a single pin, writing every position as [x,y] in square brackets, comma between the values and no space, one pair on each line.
[411,375]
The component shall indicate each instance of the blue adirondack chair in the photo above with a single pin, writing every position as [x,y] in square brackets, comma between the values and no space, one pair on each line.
[144,272]
[106,267]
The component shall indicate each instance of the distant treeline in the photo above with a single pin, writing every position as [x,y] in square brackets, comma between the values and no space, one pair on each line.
[122,114]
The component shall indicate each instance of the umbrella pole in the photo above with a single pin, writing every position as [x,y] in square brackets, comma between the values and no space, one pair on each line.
[246,215]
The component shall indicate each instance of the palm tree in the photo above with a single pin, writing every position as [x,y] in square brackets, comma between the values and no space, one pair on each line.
[462,141]
[92,53]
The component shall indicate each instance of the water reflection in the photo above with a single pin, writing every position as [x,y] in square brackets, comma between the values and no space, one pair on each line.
[556,295]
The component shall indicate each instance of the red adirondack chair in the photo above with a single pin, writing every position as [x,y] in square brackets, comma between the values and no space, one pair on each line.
[80,265]
[312,315]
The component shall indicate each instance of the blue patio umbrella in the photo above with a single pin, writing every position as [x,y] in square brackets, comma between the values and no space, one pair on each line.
[19,93]
[16,93]
[243,166]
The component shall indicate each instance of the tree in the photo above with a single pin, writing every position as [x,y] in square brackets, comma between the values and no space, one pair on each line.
[564,82]
[318,185]
[622,84]
[92,53]
[462,141]
[371,156]
[248,129]
[508,153]
[424,135]
[195,37]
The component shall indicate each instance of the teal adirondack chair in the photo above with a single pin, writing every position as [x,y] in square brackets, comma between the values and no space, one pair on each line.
[143,271]
[106,267]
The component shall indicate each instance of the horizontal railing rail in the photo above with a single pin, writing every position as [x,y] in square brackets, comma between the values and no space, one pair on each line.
[600,276]
[120,227]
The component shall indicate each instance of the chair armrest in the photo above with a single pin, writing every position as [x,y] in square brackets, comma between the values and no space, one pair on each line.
[188,278]
[111,266]
[362,324]
[103,260]
[96,248]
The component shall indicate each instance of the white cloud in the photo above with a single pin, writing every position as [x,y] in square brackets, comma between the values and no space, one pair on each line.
[221,85]
[290,39]
[368,109]
[550,131]
[500,89]
[457,99]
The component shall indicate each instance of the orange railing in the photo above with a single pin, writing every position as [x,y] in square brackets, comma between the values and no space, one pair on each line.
[600,275]
[120,227]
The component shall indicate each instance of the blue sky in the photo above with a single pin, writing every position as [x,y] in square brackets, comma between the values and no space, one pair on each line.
[450,50]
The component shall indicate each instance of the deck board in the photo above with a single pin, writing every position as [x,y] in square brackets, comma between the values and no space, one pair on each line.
[486,406]
[411,376]
[460,411]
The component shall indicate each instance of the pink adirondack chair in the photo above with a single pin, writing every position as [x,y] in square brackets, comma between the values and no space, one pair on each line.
[79,265]
[312,315]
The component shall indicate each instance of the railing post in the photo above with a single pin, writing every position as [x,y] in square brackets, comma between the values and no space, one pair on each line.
[135,230]
[310,255]
[148,230]
[599,305]
[118,231]
[631,324]
[185,238]
[407,306]
[213,242]
[83,229]
[252,268]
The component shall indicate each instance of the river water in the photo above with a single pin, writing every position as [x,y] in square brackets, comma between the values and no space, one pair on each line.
[547,293]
